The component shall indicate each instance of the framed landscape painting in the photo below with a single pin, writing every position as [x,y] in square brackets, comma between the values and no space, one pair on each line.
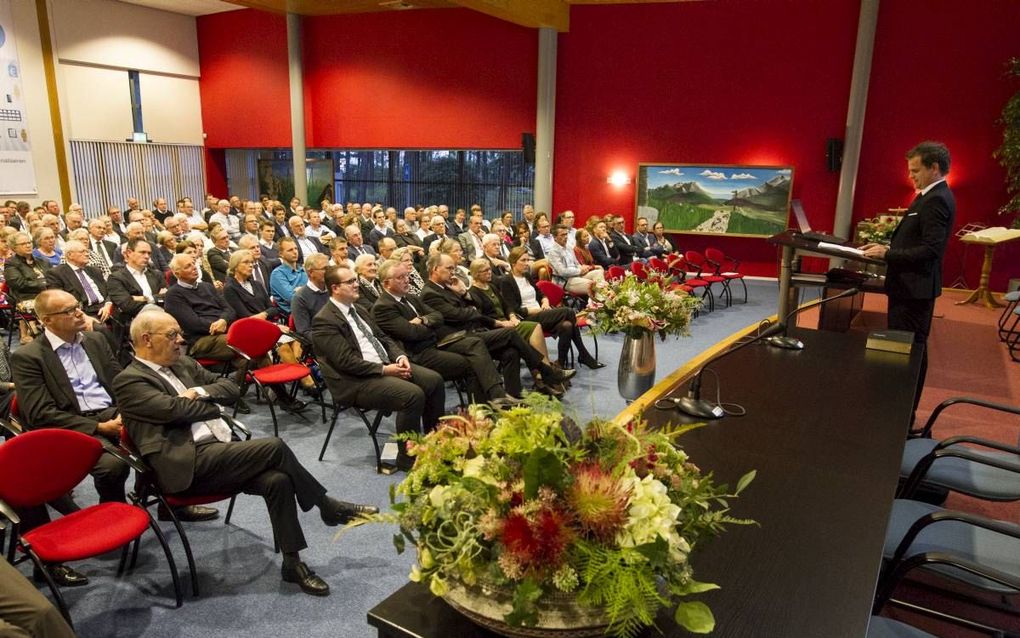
[709,199]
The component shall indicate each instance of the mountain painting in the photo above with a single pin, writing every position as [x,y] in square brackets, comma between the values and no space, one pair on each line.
[751,201]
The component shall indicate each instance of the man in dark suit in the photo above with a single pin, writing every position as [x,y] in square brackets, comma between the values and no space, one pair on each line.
[628,249]
[364,367]
[169,407]
[84,282]
[135,285]
[447,294]
[260,271]
[307,245]
[379,229]
[104,249]
[418,327]
[914,255]
[438,226]
[356,245]
[601,247]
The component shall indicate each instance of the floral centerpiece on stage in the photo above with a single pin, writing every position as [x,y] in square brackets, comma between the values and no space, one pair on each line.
[877,229]
[635,307]
[528,505]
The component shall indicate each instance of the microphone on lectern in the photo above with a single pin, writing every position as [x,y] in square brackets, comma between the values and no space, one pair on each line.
[694,405]
[792,343]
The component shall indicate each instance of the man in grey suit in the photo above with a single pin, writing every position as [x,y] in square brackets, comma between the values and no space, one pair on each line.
[169,406]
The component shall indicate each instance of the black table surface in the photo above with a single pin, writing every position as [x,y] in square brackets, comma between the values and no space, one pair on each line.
[825,429]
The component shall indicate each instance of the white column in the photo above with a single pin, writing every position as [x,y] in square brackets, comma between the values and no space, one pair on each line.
[545,119]
[855,117]
[297,107]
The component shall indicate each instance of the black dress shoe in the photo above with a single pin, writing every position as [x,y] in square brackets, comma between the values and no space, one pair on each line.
[242,407]
[549,389]
[591,363]
[552,375]
[505,403]
[335,512]
[292,405]
[62,575]
[190,513]
[306,579]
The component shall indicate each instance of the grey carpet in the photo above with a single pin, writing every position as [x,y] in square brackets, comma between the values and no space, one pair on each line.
[242,594]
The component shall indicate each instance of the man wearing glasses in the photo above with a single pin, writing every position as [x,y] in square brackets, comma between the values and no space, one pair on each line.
[65,380]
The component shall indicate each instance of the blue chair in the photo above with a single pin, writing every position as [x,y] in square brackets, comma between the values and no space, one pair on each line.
[990,471]
[1011,299]
[980,553]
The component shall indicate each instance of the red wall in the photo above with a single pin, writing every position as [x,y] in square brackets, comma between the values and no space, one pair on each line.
[244,83]
[724,82]
[441,78]
[938,74]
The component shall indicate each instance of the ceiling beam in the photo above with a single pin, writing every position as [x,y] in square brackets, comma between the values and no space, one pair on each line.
[554,14]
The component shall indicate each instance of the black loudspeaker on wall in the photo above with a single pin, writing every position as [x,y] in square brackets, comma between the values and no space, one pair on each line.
[528,145]
[834,154]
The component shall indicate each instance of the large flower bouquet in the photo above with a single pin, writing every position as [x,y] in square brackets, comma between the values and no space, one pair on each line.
[528,501]
[633,307]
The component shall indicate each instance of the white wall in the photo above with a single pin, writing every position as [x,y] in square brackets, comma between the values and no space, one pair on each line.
[33,81]
[96,42]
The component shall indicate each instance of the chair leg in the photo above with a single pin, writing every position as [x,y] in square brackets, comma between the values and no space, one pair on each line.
[169,558]
[744,284]
[187,546]
[332,424]
[124,557]
[373,428]
[61,604]
[230,510]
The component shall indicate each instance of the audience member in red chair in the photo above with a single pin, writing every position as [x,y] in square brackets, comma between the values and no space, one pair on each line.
[170,411]
[65,380]
[567,271]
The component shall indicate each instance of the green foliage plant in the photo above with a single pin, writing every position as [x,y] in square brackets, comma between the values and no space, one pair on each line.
[528,501]
[1008,153]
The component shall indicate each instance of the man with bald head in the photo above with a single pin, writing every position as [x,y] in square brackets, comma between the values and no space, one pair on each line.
[170,409]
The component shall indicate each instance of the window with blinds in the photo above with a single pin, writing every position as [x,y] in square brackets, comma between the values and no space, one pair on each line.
[107,173]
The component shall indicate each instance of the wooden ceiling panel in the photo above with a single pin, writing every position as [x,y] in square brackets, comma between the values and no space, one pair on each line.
[332,7]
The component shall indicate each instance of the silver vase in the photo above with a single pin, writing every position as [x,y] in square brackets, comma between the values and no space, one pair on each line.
[636,374]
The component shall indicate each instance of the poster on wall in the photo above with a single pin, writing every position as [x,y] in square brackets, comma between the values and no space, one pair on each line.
[17,174]
[748,201]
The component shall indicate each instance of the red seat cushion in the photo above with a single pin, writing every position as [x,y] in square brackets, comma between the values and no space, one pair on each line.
[184,501]
[89,532]
[281,373]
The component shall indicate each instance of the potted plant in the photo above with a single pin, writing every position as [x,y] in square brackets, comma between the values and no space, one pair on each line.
[1008,153]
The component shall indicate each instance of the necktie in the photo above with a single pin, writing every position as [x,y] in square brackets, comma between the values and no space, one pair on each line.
[407,303]
[99,249]
[257,274]
[363,327]
[219,429]
[91,294]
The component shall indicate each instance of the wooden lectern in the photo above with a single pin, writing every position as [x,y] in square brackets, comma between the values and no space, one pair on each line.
[989,238]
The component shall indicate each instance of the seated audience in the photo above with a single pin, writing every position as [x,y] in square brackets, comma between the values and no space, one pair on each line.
[85,283]
[364,367]
[575,277]
[659,232]
[602,248]
[219,255]
[309,299]
[368,284]
[46,248]
[288,275]
[135,285]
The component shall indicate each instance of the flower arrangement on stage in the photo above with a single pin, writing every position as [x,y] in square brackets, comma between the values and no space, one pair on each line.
[527,501]
[634,307]
[877,229]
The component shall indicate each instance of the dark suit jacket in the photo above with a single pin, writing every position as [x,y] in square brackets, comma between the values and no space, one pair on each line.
[196,309]
[353,252]
[599,254]
[914,260]
[626,246]
[410,239]
[246,304]
[22,280]
[62,277]
[270,256]
[339,354]
[426,242]
[122,287]
[374,236]
[318,246]
[395,320]
[366,295]
[159,421]
[161,258]
[484,303]
[45,396]
[218,262]
[457,312]
[112,251]
[511,295]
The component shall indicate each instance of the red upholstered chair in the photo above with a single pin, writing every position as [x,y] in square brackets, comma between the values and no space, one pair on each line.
[149,494]
[640,270]
[616,273]
[659,265]
[555,293]
[697,263]
[43,465]
[728,268]
[692,284]
[254,338]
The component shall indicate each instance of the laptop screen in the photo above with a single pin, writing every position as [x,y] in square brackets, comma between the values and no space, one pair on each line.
[798,212]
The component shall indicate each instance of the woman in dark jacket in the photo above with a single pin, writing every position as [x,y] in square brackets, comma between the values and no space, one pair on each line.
[245,296]
[26,277]
[527,301]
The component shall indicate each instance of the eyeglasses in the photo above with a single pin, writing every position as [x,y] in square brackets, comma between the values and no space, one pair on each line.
[347,282]
[171,335]
[70,312]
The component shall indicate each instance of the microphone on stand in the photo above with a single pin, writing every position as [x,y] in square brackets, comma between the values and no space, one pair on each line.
[694,405]
[792,343]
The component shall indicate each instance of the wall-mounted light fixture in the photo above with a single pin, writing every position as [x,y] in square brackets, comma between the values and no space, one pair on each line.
[618,178]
